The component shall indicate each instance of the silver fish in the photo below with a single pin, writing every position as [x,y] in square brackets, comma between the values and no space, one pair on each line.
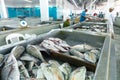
[46,71]
[96,52]
[76,53]
[10,71]
[17,51]
[91,57]
[30,66]
[66,69]
[27,57]
[82,47]
[34,51]
[40,75]
[54,62]
[47,44]
[23,70]
[1,57]
[78,74]
[51,72]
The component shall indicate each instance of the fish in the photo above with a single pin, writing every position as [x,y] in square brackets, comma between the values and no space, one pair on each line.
[10,70]
[49,45]
[30,65]
[82,47]
[66,70]
[61,49]
[17,51]
[40,75]
[46,71]
[76,53]
[91,57]
[96,52]
[28,57]
[78,74]
[34,51]
[23,70]
[54,62]
[1,58]
[51,72]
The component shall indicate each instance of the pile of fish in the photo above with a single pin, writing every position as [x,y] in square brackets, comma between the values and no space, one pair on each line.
[82,51]
[29,64]
[95,28]
[55,44]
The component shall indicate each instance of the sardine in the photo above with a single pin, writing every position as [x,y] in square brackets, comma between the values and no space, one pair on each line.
[17,51]
[23,70]
[34,51]
[66,69]
[78,74]
[10,71]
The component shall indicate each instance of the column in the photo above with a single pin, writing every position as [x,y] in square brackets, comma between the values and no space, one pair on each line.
[3,10]
[44,10]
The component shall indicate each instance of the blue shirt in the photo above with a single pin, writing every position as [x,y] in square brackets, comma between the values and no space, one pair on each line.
[82,17]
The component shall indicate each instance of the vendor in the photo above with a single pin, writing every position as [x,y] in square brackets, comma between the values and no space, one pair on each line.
[83,15]
[66,23]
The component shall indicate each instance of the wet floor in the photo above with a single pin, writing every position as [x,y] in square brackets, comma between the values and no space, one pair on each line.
[117,49]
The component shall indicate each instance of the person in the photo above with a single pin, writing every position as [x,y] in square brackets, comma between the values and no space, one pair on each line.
[83,15]
[101,15]
[66,23]
[110,19]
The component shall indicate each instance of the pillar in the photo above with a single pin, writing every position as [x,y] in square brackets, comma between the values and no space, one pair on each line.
[44,10]
[3,10]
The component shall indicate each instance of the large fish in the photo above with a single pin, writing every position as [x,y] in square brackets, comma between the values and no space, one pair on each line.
[53,62]
[46,71]
[76,53]
[28,57]
[51,72]
[47,44]
[10,71]
[17,51]
[23,70]
[66,70]
[40,75]
[78,74]
[91,57]
[82,47]
[34,51]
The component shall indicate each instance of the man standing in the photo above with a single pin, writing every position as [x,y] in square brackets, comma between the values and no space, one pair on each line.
[83,15]
[110,19]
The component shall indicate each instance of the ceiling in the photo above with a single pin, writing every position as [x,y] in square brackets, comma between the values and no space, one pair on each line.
[25,2]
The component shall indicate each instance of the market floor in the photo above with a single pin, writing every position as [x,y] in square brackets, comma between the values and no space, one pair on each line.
[117,49]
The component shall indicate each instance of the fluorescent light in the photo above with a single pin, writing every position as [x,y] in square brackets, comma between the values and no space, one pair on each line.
[28,1]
